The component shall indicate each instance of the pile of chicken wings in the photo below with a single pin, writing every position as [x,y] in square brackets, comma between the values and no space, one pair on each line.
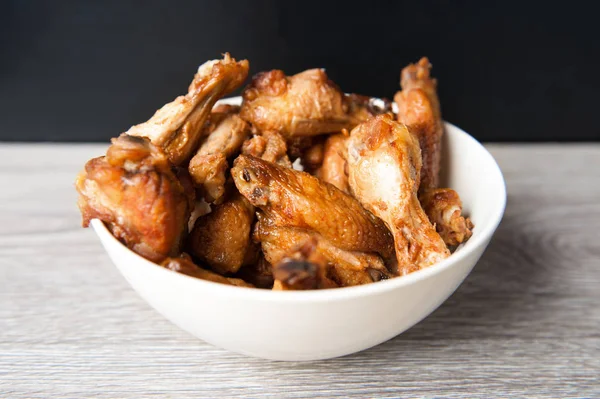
[301,187]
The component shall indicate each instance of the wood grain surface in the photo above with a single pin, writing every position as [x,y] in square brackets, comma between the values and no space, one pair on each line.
[526,322]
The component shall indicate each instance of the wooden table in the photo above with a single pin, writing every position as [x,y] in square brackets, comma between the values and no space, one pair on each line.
[525,323]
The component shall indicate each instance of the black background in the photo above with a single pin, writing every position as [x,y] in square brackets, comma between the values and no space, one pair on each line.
[507,71]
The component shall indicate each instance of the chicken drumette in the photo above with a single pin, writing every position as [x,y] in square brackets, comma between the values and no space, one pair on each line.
[384,165]
[419,109]
[135,190]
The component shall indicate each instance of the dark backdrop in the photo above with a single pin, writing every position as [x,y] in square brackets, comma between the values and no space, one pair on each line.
[86,71]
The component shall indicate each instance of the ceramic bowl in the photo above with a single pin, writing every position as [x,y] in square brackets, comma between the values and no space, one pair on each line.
[321,324]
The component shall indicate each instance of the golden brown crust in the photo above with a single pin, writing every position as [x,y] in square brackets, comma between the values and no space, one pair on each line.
[384,162]
[221,239]
[134,190]
[444,209]
[184,265]
[419,109]
[305,104]
[297,199]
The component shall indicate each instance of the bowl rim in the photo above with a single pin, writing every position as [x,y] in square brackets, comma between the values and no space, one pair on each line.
[335,294]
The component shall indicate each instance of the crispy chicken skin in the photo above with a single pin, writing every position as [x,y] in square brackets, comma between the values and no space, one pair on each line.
[209,166]
[175,126]
[269,146]
[305,104]
[334,167]
[444,207]
[184,265]
[384,164]
[302,269]
[221,239]
[346,268]
[135,191]
[419,109]
[297,199]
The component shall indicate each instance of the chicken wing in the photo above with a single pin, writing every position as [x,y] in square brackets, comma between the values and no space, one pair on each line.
[305,104]
[209,166]
[444,209]
[221,239]
[345,268]
[135,191]
[334,169]
[419,109]
[175,126]
[384,164]
[297,199]
[302,269]
[184,265]
[269,146]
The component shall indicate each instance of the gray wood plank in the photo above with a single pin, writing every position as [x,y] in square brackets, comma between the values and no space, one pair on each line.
[524,324]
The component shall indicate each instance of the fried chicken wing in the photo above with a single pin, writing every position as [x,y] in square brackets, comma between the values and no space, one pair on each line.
[444,209]
[334,169]
[302,269]
[184,265]
[384,164]
[305,104]
[221,239]
[269,146]
[345,268]
[419,109]
[135,191]
[175,126]
[209,166]
[297,199]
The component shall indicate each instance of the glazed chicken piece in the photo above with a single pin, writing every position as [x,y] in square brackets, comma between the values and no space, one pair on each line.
[221,239]
[334,169]
[302,269]
[137,193]
[419,109]
[184,265]
[384,165]
[296,199]
[209,166]
[444,207]
[305,104]
[175,126]
[345,268]
[269,146]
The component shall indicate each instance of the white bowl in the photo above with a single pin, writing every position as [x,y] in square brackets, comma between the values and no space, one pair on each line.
[310,325]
